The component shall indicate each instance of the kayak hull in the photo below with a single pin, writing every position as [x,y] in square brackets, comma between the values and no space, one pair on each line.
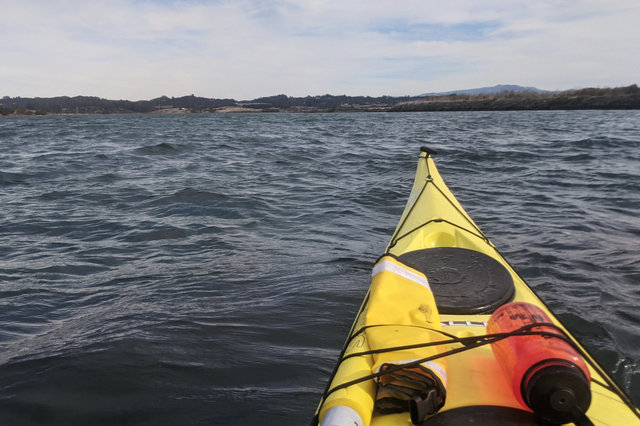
[469,279]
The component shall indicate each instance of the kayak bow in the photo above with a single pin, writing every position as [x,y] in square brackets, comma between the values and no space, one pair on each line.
[450,334]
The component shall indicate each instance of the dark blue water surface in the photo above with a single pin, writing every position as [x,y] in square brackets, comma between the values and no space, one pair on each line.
[205,269]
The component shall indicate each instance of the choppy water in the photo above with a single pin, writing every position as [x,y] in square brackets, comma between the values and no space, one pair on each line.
[205,269]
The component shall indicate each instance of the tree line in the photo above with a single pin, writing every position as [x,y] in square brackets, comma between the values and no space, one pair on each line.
[590,98]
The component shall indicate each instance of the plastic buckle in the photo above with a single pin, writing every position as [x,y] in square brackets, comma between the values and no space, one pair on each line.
[421,406]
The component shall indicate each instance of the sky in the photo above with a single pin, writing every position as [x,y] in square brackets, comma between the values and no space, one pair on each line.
[245,49]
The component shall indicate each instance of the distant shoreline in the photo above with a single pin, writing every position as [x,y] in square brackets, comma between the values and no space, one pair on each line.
[621,98]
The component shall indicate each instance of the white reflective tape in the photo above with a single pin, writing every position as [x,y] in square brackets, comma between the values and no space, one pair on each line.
[437,369]
[387,265]
[341,415]
[398,362]
[463,323]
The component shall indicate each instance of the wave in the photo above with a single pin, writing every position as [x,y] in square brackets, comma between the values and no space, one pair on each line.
[11,178]
[163,148]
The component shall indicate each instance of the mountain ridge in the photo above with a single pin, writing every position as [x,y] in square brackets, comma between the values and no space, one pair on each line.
[498,88]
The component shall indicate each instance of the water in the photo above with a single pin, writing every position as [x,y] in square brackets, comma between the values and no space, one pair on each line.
[205,269]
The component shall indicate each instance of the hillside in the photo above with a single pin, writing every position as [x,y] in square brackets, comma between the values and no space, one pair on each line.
[500,88]
[592,98]
[617,98]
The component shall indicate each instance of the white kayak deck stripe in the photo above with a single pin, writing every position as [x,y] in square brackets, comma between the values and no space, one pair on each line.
[389,266]
[464,323]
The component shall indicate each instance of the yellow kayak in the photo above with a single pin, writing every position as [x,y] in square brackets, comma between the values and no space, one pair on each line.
[449,334]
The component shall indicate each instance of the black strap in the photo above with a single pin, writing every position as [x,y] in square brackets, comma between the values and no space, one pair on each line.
[468,343]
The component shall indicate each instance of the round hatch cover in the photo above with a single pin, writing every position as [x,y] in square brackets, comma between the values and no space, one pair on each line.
[463,281]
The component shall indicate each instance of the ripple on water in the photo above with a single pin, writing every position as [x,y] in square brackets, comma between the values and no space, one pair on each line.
[206,268]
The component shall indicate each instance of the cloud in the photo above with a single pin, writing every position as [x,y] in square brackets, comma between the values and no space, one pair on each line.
[249,48]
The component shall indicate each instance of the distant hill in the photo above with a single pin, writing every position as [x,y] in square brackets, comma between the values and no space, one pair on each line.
[497,98]
[590,98]
[500,88]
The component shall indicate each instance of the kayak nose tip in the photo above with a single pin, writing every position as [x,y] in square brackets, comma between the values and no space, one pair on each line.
[428,150]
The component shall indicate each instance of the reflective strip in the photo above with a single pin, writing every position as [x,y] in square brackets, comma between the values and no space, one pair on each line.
[437,368]
[467,323]
[341,415]
[387,265]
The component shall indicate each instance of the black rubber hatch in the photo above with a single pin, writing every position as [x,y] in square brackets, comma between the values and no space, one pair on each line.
[463,281]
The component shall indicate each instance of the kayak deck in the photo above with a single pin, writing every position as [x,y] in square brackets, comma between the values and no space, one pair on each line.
[469,279]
